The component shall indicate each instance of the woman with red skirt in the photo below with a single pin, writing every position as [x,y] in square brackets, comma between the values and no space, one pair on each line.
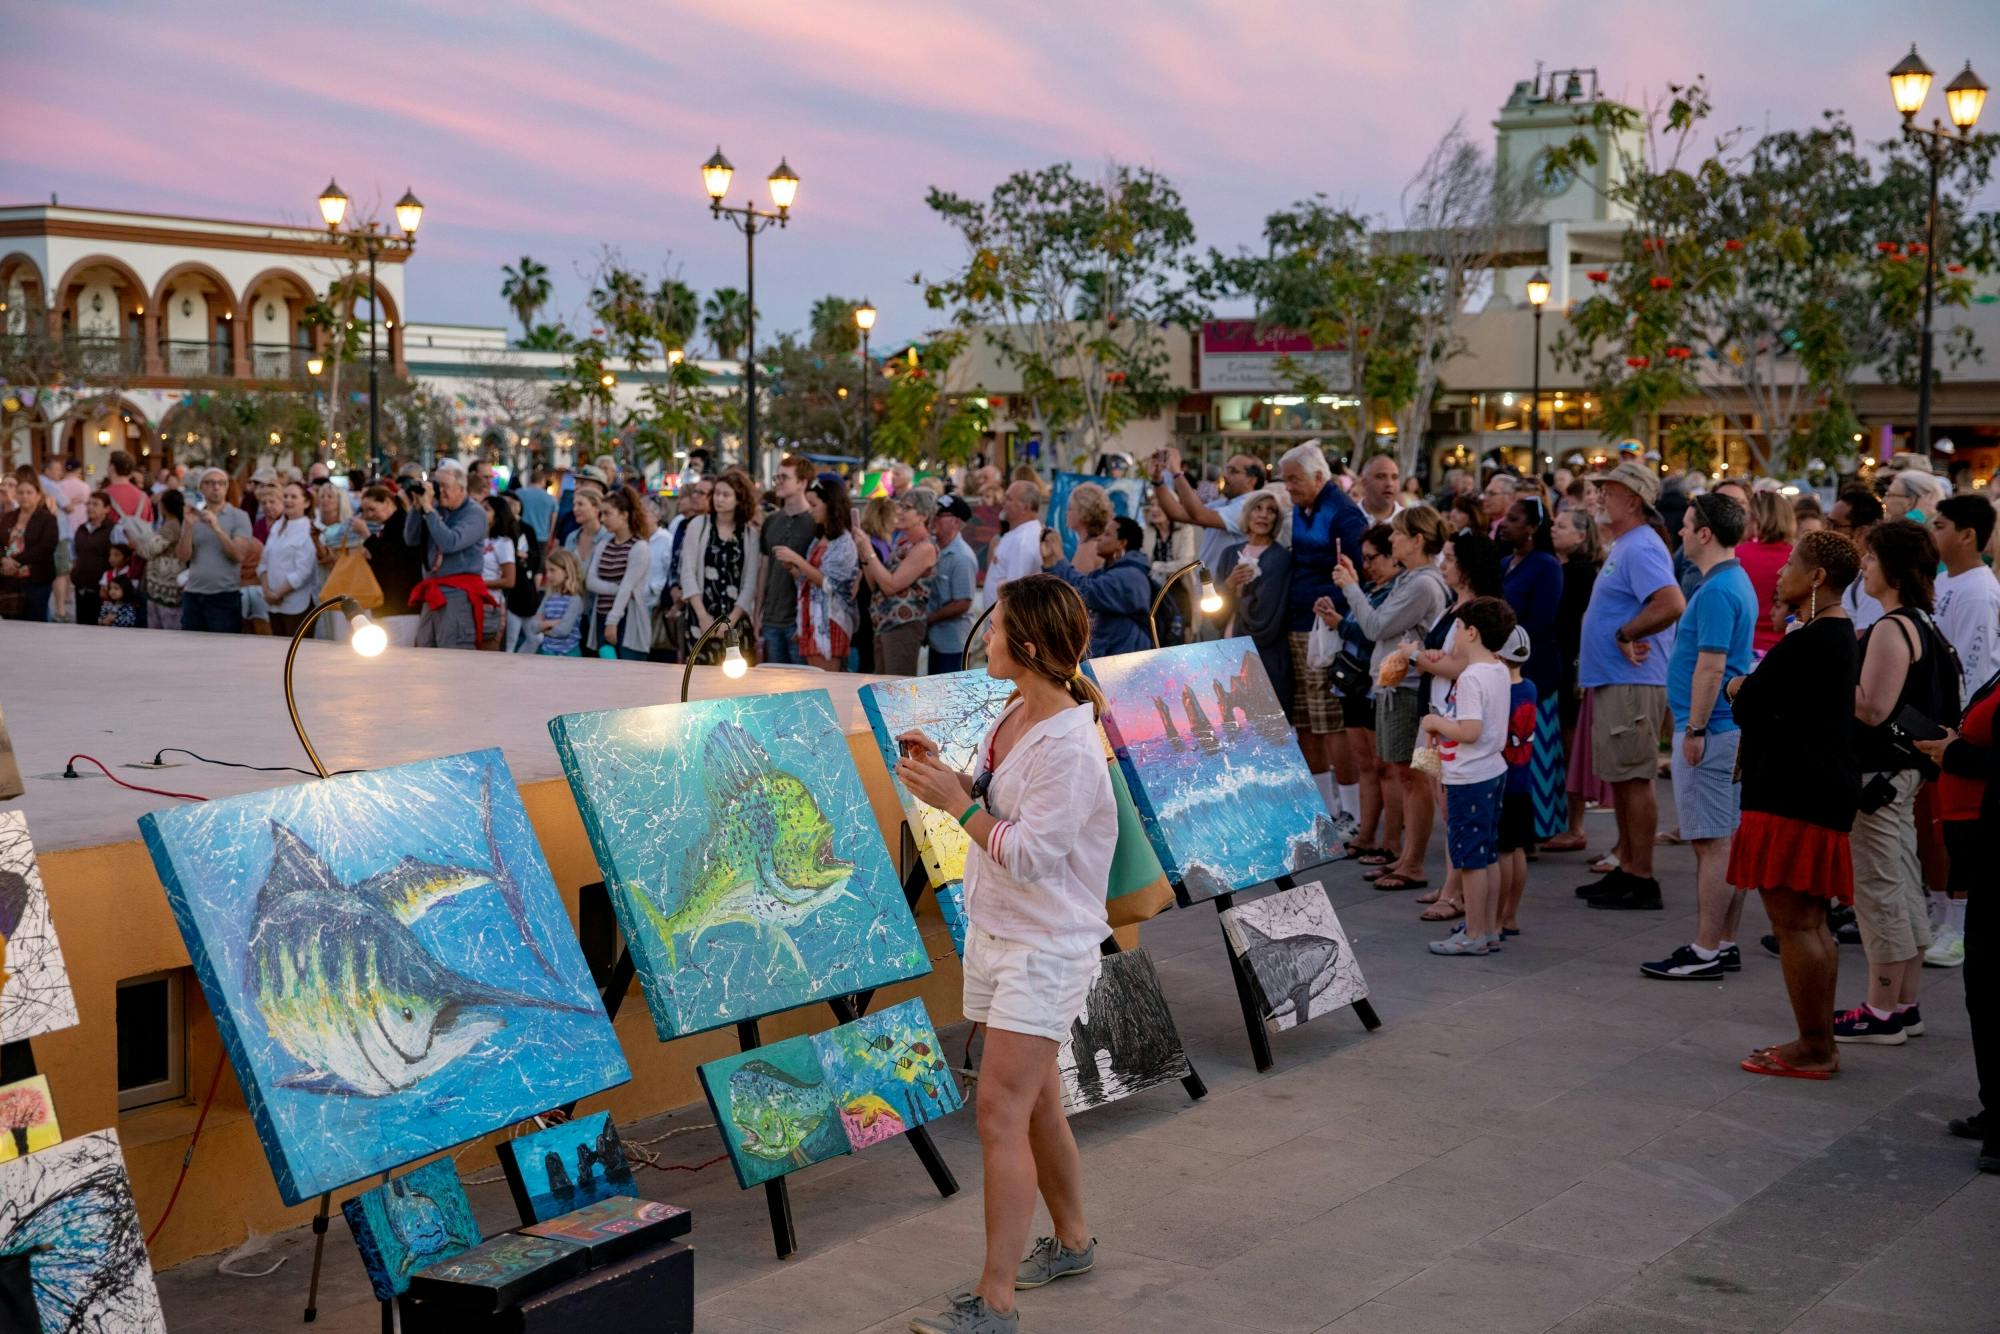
[1801,786]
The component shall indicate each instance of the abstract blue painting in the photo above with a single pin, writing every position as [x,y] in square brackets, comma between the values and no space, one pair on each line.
[388,961]
[743,859]
[955,711]
[951,907]
[1223,792]
[414,1220]
[69,1210]
[887,1073]
[775,1110]
[566,1166]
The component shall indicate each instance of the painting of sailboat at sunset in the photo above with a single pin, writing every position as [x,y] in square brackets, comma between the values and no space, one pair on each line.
[1224,794]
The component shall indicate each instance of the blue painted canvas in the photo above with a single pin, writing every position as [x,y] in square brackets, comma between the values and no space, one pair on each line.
[951,906]
[414,1220]
[887,1073]
[388,961]
[563,1167]
[955,711]
[1223,792]
[775,1110]
[69,1211]
[742,856]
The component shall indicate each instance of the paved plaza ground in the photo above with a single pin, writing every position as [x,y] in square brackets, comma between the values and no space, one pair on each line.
[1542,1140]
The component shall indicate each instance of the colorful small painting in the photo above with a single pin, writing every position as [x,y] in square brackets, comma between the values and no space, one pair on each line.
[415,1220]
[888,1073]
[34,985]
[1127,495]
[388,961]
[27,1118]
[69,1210]
[775,1109]
[1223,792]
[564,1167]
[1125,1040]
[951,907]
[955,711]
[1297,954]
[496,1274]
[616,1227]
[743,858]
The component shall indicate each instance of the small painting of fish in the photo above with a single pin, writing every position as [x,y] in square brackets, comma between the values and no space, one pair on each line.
[1297,954]
[775,1110]
[742,855]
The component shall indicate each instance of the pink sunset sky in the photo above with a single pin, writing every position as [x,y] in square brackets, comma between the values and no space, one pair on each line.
[558,128]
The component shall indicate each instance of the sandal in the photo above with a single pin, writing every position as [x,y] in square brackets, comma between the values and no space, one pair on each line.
[1443,912]
[1378,857]
[1395,880]
[1431,897]
[1567,843]
[1768,1062]
[1604,865]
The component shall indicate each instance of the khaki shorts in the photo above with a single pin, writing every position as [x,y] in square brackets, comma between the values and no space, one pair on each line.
[1625,723]
[1888,879]
[1315,708]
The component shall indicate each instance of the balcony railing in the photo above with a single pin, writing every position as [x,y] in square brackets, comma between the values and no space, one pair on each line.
[278,363]
[189,360]
[106,356]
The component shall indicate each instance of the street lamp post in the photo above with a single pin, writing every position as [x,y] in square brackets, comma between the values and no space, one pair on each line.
[1964,97]
[371,237]
[864,320]
[607,382]
[749,219]
[1538,296]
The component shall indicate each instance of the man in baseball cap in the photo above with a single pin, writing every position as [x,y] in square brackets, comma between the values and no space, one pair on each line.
[953,586]
[1627,637]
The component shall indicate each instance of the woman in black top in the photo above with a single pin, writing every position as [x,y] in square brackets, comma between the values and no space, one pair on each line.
[1801,784]
[1256,577]
[1580,548]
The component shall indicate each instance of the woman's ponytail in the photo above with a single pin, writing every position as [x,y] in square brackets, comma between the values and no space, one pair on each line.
[1048,631]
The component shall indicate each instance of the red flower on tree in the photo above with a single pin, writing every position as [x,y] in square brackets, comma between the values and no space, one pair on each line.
[1598,275]
[1660,282]
[1638,363]
[1919,248]
[1732,245]
[1680,352]
[1887,247]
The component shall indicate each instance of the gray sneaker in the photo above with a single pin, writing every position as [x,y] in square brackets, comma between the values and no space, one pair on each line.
[967,1314]
[1051,1260]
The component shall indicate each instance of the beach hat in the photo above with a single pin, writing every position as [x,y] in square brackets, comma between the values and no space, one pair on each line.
[1637,478]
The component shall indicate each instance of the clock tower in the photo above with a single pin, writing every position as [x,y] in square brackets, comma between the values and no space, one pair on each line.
[1549,111]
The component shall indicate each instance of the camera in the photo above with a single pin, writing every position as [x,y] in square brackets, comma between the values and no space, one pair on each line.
[1878,792]
[413,486]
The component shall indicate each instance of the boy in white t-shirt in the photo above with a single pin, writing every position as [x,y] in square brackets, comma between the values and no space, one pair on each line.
[1968,596]
[1471,742]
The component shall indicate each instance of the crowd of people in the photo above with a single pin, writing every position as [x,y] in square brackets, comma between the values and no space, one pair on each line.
[1501,656]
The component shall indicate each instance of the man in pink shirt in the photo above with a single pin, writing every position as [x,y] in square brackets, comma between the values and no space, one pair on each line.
[128,498]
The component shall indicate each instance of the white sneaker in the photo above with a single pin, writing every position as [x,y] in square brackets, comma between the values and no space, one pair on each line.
[1345,827]
[1947,951]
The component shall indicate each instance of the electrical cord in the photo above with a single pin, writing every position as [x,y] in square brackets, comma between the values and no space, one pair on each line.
[187,1159]
[69,771]
[234,764]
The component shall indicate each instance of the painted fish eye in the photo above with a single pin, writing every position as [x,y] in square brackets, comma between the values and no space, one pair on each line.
[409,1015]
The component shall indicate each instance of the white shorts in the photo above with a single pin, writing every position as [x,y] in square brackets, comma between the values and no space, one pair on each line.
[1024,988]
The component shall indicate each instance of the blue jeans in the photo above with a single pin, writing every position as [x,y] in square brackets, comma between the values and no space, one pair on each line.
[782,646]
[942,662]
[218,613]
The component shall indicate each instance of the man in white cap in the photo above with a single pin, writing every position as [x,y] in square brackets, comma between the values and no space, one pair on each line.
[1627,635]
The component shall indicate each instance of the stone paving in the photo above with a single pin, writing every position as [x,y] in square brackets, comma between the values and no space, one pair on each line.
[1541,1140]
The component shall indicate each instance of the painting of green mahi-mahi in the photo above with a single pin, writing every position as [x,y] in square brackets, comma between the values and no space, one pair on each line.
[388,961]
[743,858]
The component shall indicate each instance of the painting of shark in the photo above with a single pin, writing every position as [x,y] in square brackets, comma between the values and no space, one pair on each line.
[742,855]
[388,961]
[1297,954]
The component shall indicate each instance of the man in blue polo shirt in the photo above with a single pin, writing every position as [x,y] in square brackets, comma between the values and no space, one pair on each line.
[1326,525]
[1622,662]
[1711,644]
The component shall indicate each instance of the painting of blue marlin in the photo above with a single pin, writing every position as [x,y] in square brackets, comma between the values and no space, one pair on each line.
[344,984]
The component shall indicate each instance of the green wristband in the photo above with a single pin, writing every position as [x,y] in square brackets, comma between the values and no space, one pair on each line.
[970,811]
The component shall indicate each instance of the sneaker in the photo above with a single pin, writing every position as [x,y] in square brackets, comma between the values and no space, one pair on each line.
[1634,895]
[1611,882]
[1913,1021]
[1840,921]
[1684,965]
[1770,944]
[1975,1126]
[1989,1156]
[967,1314]
[1051,1260]
[1947,950]
[1732,958]
[1860,1025]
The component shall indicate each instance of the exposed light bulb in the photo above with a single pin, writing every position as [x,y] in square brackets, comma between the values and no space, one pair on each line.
[368,639]
[733,665]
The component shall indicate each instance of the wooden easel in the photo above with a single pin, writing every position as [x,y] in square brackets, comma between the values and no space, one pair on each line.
[1246,986]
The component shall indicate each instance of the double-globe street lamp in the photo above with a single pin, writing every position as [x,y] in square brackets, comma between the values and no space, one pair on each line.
[1964,97]
[373,239]
[749,219]
[864,320]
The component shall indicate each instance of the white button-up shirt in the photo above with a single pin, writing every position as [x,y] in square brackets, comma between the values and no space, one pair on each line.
[1016,553]
[1042,876]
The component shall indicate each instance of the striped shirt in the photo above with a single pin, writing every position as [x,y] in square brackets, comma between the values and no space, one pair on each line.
[611,570]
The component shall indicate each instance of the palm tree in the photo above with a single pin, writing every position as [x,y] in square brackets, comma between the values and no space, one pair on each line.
[725,315]
[833,328]
[526,291]
[678,311]
[548,338]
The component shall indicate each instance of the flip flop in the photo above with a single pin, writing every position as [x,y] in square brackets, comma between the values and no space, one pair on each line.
[1768,1062]
[1455,911]
[1377,857]
[1400,882]
[1566,843]
[1431,897]
[1604,865]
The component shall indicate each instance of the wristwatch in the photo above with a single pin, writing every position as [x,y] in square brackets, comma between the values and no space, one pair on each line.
[1623,638]
[1695,731]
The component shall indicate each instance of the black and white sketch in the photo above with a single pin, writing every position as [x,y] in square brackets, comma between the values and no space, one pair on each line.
[34,984]
[1297,955]
[69,1210]
[1124,1041]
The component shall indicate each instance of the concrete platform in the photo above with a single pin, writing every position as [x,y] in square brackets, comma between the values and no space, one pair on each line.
[1542,1140]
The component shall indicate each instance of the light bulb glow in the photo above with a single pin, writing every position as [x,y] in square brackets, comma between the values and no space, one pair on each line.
[1211,601]
[733,665]
[368,638]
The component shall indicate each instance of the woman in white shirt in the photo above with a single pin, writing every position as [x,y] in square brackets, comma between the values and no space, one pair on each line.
[290,563]
[1043,825]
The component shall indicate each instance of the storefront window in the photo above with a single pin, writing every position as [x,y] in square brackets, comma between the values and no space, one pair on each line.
[1282,412]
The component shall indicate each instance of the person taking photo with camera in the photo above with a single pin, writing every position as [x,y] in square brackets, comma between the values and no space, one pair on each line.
[449,527]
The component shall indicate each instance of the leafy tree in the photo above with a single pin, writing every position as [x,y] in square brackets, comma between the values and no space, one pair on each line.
[726,318]
[1072,281]
[924,415]
[581,391]
[833,328]
[1760,276]
[814,401]
[526,290]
